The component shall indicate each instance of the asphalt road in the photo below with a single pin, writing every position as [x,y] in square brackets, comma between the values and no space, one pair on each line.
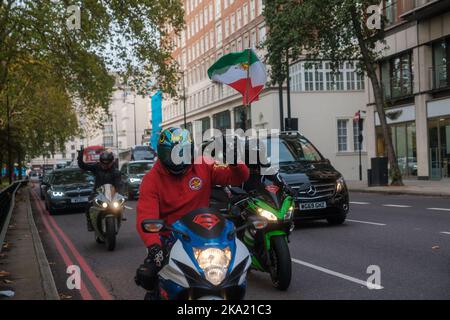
[406,238]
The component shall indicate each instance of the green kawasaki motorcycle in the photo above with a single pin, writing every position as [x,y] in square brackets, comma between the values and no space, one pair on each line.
[271,198]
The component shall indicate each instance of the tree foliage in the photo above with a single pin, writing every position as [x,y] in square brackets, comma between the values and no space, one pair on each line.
[335,30]
[46,65]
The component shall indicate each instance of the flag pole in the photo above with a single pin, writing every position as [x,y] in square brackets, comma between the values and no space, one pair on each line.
[248,104]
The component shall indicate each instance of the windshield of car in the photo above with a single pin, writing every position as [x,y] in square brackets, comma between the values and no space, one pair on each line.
[293,149]
[69,177]
[139,168]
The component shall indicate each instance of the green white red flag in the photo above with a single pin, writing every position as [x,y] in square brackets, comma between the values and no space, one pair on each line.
[242,71]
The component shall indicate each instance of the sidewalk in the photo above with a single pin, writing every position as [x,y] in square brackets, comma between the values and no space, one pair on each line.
[24,268]
[414,187]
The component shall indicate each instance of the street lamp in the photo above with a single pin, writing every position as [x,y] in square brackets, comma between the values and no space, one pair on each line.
[184,98]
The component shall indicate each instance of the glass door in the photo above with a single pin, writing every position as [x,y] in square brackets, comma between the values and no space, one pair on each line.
[439,135]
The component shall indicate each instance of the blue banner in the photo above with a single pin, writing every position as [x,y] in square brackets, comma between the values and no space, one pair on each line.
[156,118]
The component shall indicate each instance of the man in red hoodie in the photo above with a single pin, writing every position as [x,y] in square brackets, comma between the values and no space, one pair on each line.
[170,190]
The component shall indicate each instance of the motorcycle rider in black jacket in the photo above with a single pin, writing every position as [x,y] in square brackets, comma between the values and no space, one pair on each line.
[104,172]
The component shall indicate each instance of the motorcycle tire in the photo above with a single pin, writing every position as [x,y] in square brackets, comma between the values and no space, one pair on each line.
[281,269]
[110,233]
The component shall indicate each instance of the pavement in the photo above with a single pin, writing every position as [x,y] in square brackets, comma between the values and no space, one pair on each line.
[399,242]
[439,188]
[24,269]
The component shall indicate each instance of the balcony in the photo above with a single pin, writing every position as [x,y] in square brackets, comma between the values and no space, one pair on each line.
[422,9]
[440,76]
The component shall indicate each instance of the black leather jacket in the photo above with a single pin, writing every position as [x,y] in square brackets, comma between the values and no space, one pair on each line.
[109,176]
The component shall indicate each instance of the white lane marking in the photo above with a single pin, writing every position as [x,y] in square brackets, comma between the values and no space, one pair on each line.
[129,208]
[396,206]
[367,222]
[439,209]
[445,232]
[357,202]
[337,274]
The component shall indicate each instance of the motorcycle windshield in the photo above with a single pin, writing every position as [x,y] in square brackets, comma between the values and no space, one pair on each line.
[271,191]
[108,191]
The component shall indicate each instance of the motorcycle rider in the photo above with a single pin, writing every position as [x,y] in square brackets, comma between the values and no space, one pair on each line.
[105,173]
[169,191]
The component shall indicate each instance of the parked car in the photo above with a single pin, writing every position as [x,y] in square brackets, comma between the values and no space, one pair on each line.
[43,183]
[132,173]
[321,190]
[68,188]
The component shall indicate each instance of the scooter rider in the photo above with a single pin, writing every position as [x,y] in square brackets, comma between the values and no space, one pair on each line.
[105,173]
[169,191]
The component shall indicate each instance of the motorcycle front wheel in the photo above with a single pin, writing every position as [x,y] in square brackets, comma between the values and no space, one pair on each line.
[281,263]
[110,233]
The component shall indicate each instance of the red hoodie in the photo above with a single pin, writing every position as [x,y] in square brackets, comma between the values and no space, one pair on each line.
[163,195]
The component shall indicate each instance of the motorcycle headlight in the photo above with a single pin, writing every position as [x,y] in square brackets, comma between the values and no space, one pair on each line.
[288,214]
[267,214]
[214,262]
[57,193]
[116,204]
[340,185]
[135,180]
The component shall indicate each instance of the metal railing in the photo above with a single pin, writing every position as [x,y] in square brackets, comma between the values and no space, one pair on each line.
[7,198]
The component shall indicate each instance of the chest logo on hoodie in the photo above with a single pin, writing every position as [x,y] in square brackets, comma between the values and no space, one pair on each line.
[195,183]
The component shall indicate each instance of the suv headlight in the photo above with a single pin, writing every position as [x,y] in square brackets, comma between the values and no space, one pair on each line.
[214,262]
[267,214]
[340,184]
[57,193]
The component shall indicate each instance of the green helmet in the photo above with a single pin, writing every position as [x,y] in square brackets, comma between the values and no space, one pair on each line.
[178,161]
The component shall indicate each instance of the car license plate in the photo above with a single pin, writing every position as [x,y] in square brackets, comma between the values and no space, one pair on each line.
[313,205]
[79,199]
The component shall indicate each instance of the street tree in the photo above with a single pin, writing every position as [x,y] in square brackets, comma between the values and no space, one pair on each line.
[339,31]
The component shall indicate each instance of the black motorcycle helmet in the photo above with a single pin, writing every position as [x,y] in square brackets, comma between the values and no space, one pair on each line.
[180,139]
[106,159]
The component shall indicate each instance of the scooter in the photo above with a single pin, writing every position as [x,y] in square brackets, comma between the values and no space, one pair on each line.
[106,215]
[206,261]
[269,198]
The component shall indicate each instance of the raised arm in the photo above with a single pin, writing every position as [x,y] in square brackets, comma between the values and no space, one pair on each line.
[85,166]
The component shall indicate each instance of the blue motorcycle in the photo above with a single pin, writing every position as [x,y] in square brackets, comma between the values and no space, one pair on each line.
[206,260]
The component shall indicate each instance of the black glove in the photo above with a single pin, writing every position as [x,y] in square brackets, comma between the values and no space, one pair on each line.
[147,273]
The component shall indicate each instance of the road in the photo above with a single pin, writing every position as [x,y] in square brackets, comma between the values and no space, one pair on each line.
[406,237]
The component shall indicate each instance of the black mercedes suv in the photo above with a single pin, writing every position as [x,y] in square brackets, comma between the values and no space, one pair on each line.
[321,190]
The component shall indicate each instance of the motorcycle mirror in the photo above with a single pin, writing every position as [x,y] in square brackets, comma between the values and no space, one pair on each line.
[152,226]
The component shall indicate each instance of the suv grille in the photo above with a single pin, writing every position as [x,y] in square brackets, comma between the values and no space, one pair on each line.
[321,189]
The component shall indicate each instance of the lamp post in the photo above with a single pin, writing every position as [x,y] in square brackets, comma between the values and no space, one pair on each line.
[184,98]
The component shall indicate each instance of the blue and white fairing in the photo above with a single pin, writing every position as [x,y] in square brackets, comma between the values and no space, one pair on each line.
[184,278]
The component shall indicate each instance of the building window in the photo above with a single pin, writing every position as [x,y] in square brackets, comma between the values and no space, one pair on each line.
[218,8]
[63,155]
[233,23]
[219,35]
[245,8]
[222,120]
[238,115]
[260,7]
[227,27]
[206,124]
[397,77]
[342,135]
[307,76]
[252,9]
[239,18]
[262,34]
[356,135]
[108,141]
[441,64]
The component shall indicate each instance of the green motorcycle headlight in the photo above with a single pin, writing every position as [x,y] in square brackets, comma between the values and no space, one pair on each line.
[267,214]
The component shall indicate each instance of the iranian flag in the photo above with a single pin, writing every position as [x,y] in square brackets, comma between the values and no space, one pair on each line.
[242,71]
